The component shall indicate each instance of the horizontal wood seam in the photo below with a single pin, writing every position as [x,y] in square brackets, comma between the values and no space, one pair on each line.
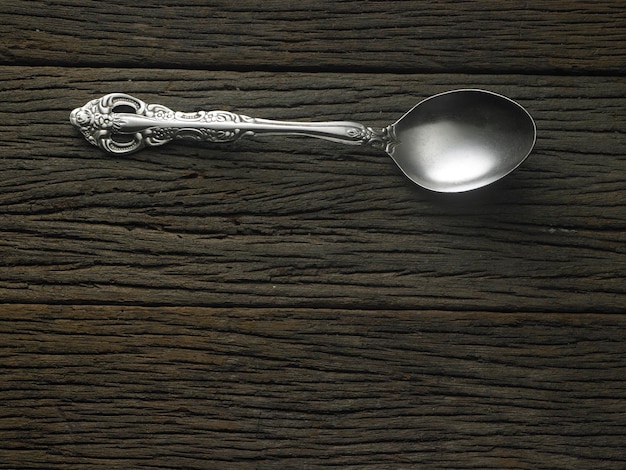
[326,69]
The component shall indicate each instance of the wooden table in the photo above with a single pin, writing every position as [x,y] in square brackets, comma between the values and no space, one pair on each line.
[289,303]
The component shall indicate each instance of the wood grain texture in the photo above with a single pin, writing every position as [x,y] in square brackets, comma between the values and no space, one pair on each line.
[298,304]
[559,36]
[284,222]
[197,388]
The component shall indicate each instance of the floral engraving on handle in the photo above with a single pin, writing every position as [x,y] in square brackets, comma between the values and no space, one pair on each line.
[380,138]
[208,134]
[96,121]
[121,124]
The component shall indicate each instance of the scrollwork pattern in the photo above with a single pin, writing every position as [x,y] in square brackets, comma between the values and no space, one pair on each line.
[125,132]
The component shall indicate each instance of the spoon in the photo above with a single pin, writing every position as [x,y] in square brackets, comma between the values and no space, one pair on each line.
[451,142]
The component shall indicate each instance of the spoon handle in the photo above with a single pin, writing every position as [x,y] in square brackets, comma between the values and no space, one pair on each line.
[121,124]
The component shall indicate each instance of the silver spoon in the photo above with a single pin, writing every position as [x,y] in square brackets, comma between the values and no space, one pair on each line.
[451,142]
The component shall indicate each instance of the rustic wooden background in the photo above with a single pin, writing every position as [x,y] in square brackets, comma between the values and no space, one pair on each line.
[288,303]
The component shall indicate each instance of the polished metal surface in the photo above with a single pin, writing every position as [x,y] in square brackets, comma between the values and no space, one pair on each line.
[462,140]
[455,141]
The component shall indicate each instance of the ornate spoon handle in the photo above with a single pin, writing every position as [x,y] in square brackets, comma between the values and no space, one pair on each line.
[122,124]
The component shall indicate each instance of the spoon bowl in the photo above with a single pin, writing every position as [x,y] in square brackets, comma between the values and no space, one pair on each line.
[451,142]
[462,140]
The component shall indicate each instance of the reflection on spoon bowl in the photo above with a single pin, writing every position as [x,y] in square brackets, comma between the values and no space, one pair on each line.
[462,140]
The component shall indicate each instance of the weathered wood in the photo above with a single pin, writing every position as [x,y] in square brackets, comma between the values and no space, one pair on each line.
[564,36]
[282,222]
[299,304]
[128,387]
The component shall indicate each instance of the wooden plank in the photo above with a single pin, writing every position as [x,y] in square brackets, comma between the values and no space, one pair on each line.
[282,222]
[130,387]
[560,36]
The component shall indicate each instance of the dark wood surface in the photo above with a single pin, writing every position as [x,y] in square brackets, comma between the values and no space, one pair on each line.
[290,303]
